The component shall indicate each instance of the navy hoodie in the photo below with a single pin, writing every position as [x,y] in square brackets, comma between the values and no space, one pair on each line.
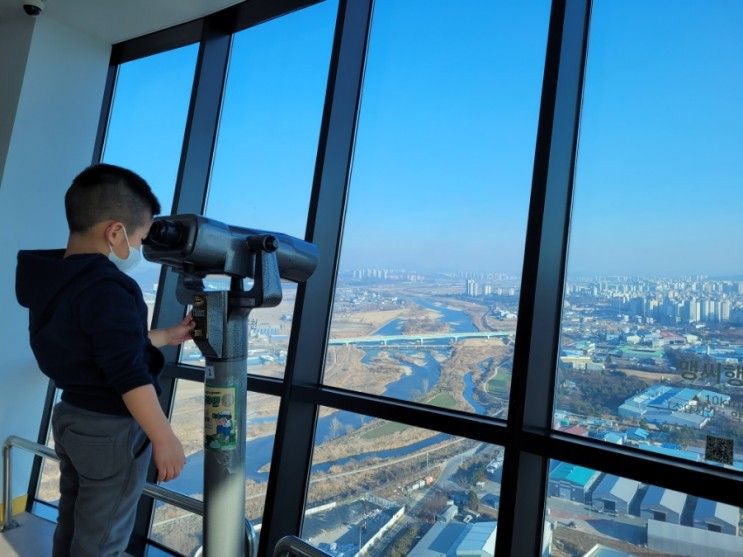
[88,327]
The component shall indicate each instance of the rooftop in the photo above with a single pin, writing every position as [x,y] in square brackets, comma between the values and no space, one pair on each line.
[621,488]
[479,539]
[663,535]
[599,550]
[456,539]
[667,498]
[712,509]
[348,524]
[678,453]
[573,474]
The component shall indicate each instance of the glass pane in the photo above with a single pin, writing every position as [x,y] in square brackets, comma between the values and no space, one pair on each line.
[593,514]
[181,530]
[387,489]
[651,348]
[177,529]
[267,144]
[430,270]
[145,131]
[48,488]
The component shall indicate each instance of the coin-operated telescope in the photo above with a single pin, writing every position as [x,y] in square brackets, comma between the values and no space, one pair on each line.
[195,246]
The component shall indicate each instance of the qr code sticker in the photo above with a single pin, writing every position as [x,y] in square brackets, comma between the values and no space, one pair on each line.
[719,449]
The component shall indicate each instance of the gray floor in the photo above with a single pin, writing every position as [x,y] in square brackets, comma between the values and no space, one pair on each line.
[33,538]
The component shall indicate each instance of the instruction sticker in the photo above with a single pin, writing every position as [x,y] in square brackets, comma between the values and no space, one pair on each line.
[219,418]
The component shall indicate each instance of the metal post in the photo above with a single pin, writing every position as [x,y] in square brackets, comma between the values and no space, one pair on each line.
[8,521]
[221,333]
[225,385]
[151,490]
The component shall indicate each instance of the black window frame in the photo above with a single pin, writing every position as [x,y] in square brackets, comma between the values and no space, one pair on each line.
[527,434]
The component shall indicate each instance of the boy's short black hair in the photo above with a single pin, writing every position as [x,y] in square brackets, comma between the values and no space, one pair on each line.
[107,192]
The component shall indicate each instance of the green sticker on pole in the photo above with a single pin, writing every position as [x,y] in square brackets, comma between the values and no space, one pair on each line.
[219,418]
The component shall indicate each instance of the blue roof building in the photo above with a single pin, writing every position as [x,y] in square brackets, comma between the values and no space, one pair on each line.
[614,494]
[662,504]
[638,434]
[456,539]
[678,453]
[572,482]
[716,517]
[613,437]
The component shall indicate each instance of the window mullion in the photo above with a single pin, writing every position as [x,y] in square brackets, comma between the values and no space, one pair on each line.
[524,474]
[292,455]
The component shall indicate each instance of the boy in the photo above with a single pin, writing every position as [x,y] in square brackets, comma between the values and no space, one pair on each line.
[88,329]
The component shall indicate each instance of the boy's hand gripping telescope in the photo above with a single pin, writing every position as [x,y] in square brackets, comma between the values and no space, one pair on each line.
[195,246]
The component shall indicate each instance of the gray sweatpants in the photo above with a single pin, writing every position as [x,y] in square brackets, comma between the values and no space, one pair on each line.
[103,465]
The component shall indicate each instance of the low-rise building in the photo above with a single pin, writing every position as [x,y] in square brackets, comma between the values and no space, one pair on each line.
[448,514]
[456,539]
[664,505]
[613,437]
[600,550]
[716,517]
[614,494]
[572,482]
[675,539]
[351,528]
[665,405]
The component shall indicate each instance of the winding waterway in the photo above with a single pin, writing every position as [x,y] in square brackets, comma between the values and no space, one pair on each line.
[420,380]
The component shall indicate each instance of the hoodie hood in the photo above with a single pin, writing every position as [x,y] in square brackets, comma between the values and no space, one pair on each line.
[42,274]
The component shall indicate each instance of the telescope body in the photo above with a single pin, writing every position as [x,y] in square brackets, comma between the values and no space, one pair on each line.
[200,246]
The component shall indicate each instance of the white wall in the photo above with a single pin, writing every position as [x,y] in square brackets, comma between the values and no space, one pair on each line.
[54,123]
[15,40]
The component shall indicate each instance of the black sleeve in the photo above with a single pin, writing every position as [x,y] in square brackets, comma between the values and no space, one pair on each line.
[109,317]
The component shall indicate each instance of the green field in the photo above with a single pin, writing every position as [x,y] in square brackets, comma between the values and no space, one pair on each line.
[500,383]
[443,400]
[383,430]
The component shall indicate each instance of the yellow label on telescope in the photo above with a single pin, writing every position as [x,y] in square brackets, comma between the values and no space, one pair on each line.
[220,429]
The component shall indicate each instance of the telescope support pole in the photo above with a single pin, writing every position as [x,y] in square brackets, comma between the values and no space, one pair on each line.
[225,412]
[221,333]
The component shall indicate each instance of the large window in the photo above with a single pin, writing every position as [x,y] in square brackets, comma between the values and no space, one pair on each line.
[182,530]
[145,131]
[391,489]
[426,303]
[265,157]
[465,132]
[590,512]
[651,352]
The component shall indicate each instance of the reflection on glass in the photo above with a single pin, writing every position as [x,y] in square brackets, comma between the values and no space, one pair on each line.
[590,513]
[651,347]
[145,131]
[181,530]
[266,150]
[429,282]
[384,488]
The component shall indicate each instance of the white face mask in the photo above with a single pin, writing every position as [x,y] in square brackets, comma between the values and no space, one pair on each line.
[130,261]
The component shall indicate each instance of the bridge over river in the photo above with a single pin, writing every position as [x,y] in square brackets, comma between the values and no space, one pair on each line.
[384,340]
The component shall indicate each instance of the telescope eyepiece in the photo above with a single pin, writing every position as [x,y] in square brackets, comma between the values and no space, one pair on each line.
[263,242]
[165,234]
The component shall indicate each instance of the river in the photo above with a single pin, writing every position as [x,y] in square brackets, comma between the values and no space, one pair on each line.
[408,387]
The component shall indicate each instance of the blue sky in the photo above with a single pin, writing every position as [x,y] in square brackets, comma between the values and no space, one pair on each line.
[445,143]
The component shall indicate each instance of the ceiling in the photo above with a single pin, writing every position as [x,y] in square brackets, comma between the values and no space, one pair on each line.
[118,20]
